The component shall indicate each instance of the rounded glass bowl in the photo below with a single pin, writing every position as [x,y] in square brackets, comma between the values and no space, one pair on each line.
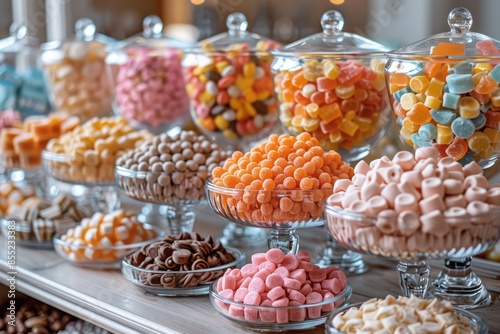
[445,92]
[104,257]
[478,324]
[68,169]
[179,188]
[27,235]
[250,316]
[465,237]
[178,283]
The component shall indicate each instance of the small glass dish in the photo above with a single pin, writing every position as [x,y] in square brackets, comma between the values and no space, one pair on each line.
[223,306]
[142,277]
[100,257]
[478,324]
[247,207]
[26,236]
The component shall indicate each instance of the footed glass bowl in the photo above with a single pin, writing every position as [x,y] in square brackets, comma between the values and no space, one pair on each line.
[466,236]
[277,318]
[282,211]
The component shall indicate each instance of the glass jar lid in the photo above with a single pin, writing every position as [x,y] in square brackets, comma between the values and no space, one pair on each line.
[331,41]
[237,34]
[18,40]
[459,42]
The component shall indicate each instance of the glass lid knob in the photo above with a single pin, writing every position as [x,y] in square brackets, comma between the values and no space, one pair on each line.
[236,23]
[460,20]
[19,31]
[85,29]
[152,25]
[332,22]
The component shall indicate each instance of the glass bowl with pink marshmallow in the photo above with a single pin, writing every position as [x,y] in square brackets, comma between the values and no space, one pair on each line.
[455,238]
[445,92]
[278,318]
[230,85]
[331,85]
[146,75]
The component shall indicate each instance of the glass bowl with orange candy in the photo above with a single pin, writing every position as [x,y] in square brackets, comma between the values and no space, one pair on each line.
[331,85]
[281,184]
[445,92]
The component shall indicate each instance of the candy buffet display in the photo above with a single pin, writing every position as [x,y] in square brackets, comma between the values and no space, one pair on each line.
[147,78]
[445,92]
[75,73]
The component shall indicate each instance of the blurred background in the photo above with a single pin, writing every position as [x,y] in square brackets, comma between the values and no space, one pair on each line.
[392,22]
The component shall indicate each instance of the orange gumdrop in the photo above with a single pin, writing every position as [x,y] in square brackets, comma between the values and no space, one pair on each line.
[486,85]
[419,114]
[441,149]
[399,79]
[457,148]
[299,80]
[431,69]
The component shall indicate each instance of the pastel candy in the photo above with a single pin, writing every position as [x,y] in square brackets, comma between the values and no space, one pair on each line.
[418,141]
[262,274]
[283,272]
[299,275]
[450,165]
[252,298]
[477,208]
[297,296]
[389,174]
[493,196]
[335,199]
[413,177]
[457,217]
[236,311]
[275,255]
[291,283]
[443,116]
[256,284]
[387,221]
[424,153]
[405,160]
[381,162]
[297,314]
[472,169]
[431,186]
[239,295]
[274,280]
[313,298]
[359,207]
[453,187]
[460,83]
[369,189]
[306,289]
[463,128]
[267,314]
[479,121]
[290,262]
[455,201]
[432,203]
[330,306]
[258,258]
[357,180]
[433,223]
[462,68]
[450,101]
[373,176]
[303,256]
[476,180]
[389,192]
[428,132]
[270,266]
[495,73]
[408,223]
[276,293]
[332,285]
[251,313]
[362,168]
[341,185]
[249,270]
[228,282]
[476,194]
[376,204]
[406,187]
[317,275]
[351,197]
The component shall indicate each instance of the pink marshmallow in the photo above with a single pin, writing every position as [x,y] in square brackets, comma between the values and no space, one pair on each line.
[373,176]
[414,178]
[335,199]
[246,282]
[314,298]
[453,187]
[406,187]
[297,296]
[249,270]
[275,256]
[306,289]
[268,265]
[408,223]
[370,189]
[252,298]
[433,223]
[477,208]
[267,314]
[227,293]
[429,171]
[239,295]
[251,313]
[431,186]
[341,185]
[376,204]
[290,262]
[228,282]
[339,274]
[431,203]
[450,164]
[306,265]
[405,202]
[380,163]
[262,274]
[291,283]
[257,284]
[441,173]
[456,176]
[276,293]
[317,275]
[493,196]
[457,217]
[358,180]
[316,287]
[330,306]
[282,271]
[405,160]
[332,285]
[359,206]
[351,196]
[362,168]
[475,181]
[282,311]
[274,280]
[297,314]
[472,168]
[426,152]
[299,275]
[236,311]
[476,194]
[386,221]
[390,174]
[258,258]
[390,192]
[304,256]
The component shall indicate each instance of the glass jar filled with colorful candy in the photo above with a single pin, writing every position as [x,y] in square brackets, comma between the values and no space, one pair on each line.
[22,86]
[445,92]
[230,85]
[331,84]
[75,72]
[146,72]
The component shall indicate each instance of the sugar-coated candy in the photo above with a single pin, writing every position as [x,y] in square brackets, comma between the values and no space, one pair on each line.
[308,285]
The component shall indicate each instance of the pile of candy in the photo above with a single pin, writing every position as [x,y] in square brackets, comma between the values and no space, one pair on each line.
[452,106]
[14,198]
[338,102]
[232,91]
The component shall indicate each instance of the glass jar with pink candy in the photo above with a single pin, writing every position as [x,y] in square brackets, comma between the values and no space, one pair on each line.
[331,85]
[230,87]
[445,93]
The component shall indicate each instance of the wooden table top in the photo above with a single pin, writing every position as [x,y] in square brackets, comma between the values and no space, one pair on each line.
[106,298]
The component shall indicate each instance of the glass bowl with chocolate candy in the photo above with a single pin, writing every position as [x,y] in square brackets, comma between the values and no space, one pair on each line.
[171,171]
[182,265]
[103,240]
[36,221]
[404,315]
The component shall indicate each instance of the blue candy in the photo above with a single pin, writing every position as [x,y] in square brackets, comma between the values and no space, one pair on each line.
[428,132]
[463,127]
[443,116]
[397,95]
[399,122]
[466,159]
[446,89]
[495,73]
[451,100]
[479,121]
[418,141]
[461,68]
[485,107]
[460,83]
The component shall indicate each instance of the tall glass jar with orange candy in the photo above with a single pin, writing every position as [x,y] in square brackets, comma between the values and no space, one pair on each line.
[331,84]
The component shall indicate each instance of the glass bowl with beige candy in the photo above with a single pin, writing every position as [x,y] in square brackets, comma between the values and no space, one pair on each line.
[403,315]
[416,208]
[35,221]
[87,154]
[182,265]
[171,171]
[102,240]
[75,73]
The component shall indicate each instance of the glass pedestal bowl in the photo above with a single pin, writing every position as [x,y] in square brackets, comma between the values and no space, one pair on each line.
[181,192]
[465,237]
[282,211]
[100,193]
[13,169]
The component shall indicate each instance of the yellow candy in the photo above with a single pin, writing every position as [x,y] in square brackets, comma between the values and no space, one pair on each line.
[394,88]
[235,103]
[203,78]
[487,153]
[378,84]
[410,126]
[348,127]
[310,124]
[419,83]
[484,67]
[329,112]
[408,100]
[330,69]
[313,110]
[335,137]
[240,113]
[432,102]
[230,134]
[421,97]
[250,109]
[221,123]
[297,121]
[250,95]
[249,70]
[206,97]
[220,65]
[378,65]
[406,135]
[444,134]
[350,115]
[435,88]
[345,92]
[478,142]
[263,95]
[495,100]
[493,135]
[478,76]
[202,69]
[365,124]
[244,83]
[469,107]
